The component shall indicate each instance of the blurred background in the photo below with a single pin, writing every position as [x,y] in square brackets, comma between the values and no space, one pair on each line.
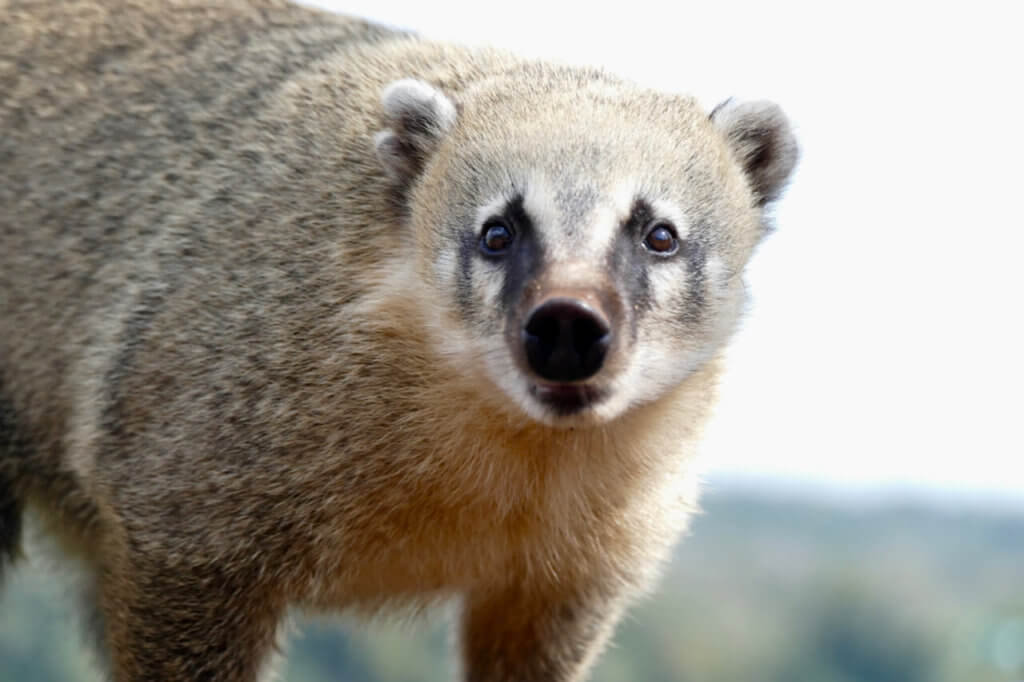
[864,514]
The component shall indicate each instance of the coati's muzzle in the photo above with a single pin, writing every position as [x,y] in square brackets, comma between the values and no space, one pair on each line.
[564,339]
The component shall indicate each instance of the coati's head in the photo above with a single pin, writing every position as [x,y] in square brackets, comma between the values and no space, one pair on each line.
[582,239]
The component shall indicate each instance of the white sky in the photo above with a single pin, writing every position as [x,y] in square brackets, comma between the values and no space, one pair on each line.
[884,346]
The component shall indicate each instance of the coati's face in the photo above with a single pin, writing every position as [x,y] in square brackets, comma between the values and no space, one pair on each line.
[584,240]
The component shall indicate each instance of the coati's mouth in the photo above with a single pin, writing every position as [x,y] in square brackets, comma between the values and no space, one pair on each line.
[567,399]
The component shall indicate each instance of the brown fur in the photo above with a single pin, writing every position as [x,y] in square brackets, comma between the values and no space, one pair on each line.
[219,377]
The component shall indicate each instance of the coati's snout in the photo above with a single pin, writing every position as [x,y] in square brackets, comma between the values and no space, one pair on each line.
[566,339]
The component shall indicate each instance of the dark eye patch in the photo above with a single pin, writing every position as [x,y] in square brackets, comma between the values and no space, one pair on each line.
[640,216]
[500,231]
[632,255]
[525,260]
[517,262]
[656,236]
[694,252]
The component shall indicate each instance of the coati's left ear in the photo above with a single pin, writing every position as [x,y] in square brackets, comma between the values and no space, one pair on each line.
[762,140]
[418,116]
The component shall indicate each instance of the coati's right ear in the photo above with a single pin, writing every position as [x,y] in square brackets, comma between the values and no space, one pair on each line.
[418,116]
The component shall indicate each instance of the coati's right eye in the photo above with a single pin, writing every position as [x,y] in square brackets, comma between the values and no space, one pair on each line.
[496,238]
[661,240]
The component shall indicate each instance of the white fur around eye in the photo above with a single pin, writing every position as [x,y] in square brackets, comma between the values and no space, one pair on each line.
[539,204]
[492,207]
[666,211]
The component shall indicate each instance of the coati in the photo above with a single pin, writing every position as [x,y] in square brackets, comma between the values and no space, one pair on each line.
[296,310]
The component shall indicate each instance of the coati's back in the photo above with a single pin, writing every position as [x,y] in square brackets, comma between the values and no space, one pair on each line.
[115,116]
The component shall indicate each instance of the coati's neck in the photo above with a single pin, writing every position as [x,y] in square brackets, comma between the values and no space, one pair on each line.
[472,439]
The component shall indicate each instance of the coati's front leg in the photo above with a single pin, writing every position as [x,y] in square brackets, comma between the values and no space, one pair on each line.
[187,624]
[526,635]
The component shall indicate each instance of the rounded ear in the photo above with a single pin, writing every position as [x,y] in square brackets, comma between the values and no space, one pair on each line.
[762,140]
[418,117]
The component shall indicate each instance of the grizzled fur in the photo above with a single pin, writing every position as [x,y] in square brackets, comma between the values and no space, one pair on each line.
[253,356]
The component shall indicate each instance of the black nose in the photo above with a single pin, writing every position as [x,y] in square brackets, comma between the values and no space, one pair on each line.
[566,340]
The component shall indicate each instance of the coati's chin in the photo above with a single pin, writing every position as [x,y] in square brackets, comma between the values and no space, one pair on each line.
[567,400]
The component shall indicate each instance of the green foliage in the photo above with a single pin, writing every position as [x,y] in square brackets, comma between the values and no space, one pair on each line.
[762,590]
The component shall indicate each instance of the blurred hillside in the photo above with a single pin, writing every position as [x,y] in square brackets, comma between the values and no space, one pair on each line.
[762,590]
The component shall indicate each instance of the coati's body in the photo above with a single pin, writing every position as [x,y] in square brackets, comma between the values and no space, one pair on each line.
[247,361]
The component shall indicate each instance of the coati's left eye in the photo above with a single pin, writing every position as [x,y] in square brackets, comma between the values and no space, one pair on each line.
[496,237]
[661,239]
